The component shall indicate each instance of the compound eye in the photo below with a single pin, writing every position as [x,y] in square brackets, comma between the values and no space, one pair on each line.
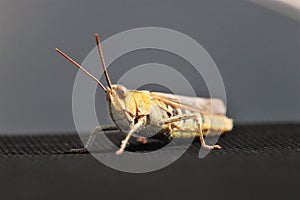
[121,91]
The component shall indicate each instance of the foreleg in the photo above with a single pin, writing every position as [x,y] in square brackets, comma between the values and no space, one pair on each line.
[134,128]
[92,138]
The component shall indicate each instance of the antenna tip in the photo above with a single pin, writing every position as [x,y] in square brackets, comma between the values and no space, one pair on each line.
[97,38]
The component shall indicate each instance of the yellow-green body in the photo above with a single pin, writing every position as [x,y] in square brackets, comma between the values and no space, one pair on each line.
[128,106]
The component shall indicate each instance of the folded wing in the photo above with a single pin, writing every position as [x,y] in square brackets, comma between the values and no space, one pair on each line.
[195,104]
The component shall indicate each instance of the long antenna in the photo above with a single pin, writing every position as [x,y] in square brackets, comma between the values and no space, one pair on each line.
[80,67]
[102,60]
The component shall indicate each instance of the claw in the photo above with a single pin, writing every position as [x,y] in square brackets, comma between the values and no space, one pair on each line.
[119,152]
[143,140]
[208,147]
[80,150]
[217,147]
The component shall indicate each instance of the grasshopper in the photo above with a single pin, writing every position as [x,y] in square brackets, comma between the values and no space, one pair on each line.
[146,112]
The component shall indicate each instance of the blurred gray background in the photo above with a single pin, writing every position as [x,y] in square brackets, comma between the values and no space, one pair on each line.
[255,48]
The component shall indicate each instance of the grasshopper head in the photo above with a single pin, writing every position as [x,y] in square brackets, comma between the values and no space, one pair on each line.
[117,98]
[116,93]
[121,109]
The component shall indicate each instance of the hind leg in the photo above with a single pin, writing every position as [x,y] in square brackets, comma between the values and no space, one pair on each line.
[199,127]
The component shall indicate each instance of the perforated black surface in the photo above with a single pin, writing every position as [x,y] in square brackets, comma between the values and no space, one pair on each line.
[258,161]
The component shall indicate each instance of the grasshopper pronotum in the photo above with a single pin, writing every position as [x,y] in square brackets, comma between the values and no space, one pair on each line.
[151,112]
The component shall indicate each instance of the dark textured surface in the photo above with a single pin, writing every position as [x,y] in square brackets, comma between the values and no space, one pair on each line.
[256,162]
